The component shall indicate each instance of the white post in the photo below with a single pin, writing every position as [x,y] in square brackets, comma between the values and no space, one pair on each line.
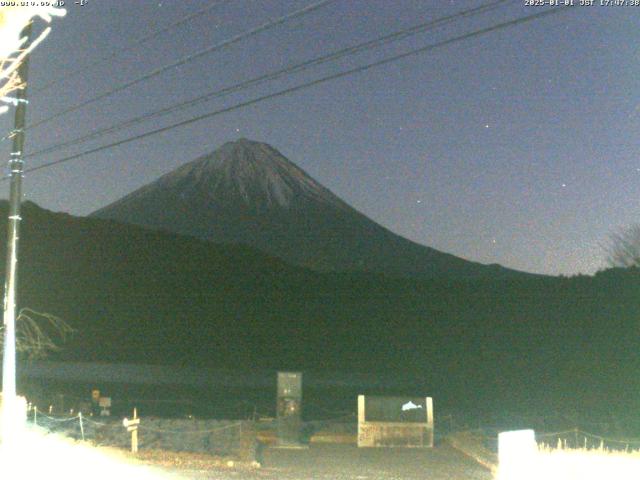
[517,453]
[361,415]
[429,406]
[134,433]
[132,426]
[81,425]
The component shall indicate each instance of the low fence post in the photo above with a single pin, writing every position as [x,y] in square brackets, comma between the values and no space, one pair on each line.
[134,434]
[81,425]
[132,426]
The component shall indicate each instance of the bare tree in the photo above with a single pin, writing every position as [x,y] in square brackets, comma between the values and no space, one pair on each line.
[38,334]
[623,249]
[12,20]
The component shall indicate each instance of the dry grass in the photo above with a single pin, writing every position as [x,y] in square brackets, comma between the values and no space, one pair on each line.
[568,464]
[589,464]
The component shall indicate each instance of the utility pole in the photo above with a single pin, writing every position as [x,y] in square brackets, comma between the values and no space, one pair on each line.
[16,168]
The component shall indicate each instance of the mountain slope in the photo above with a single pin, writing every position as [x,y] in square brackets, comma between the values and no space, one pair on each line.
[249,193]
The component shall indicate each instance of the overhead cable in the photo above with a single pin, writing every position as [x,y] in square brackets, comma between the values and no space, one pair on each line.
[154,73]
[335,76]
[129,46]
[296,68]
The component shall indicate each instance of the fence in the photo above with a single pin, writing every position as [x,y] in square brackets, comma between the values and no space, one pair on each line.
[215,437]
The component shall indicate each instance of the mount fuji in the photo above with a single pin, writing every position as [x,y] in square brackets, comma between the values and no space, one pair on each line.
[247,192]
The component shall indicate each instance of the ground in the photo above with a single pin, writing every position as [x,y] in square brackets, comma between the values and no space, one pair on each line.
[340,462]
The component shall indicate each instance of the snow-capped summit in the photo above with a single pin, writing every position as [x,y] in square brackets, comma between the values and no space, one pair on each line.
[252,173]
[247,192]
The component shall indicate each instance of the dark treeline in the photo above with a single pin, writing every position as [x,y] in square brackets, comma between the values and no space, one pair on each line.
[520,343]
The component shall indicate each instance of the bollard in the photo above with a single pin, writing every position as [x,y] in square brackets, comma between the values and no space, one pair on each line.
[517,452]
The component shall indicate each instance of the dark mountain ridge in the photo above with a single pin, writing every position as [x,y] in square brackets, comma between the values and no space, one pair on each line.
[149,297]
[248,193]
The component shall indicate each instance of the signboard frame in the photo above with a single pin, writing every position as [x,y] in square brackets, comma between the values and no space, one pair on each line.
[411,434]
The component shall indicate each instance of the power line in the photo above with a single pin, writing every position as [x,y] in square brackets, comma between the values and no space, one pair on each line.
[296,88]
[187,59]
[375,43]
[131,46]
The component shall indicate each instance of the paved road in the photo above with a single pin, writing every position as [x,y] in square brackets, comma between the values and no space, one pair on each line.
[347,462]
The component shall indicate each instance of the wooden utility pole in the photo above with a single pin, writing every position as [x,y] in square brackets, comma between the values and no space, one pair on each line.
[16,168]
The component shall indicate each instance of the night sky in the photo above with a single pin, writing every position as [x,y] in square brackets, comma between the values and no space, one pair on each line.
[519,147]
